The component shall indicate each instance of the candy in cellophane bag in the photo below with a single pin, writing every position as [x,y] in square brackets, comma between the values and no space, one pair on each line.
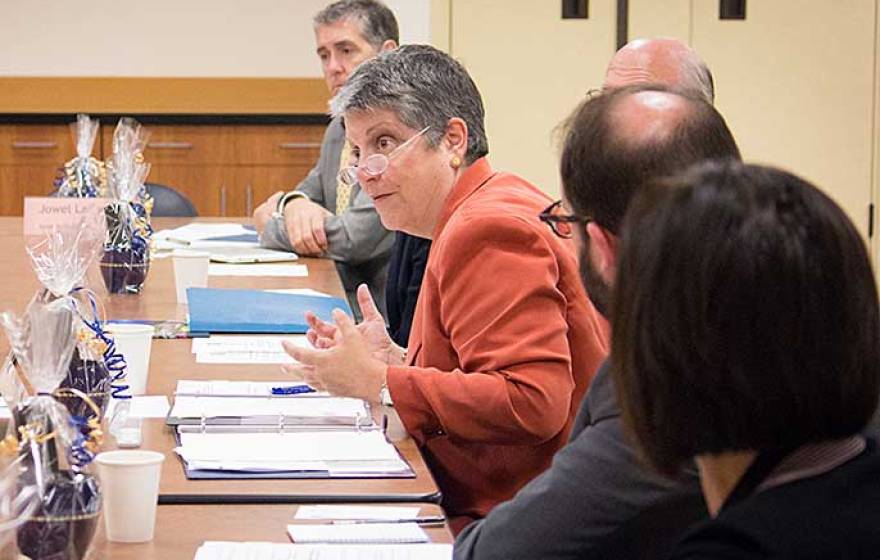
[54,447]
[83,176]
[126,259]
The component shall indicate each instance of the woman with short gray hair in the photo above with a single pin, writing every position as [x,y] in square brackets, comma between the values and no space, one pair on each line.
[503,342]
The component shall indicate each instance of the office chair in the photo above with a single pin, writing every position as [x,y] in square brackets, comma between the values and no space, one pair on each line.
[168,203]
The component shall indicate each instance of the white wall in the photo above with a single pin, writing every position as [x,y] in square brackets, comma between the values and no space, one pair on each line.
[174,38]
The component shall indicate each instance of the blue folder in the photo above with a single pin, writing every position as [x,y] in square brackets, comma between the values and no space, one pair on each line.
[239,238]
[213,310]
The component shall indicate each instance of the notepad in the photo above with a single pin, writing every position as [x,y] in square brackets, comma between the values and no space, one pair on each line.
[249,254]
[199,231]
[269,410]
[371,533]
[222,387]
[334,453]
[387,513]
[219,550]
[252,349]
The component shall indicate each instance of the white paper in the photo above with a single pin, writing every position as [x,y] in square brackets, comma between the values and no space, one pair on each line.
[250,358]
[321,451]
[221,387]
[262,269]
[323,410]
[220,550]
[248,253]
[245,349]
[143,406]
[200,230]
[300,292]
[358,533]
[246,343]
[389,513]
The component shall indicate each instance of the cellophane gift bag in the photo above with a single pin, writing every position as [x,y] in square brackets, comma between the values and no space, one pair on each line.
[55,448]
[61,259]
[17,502]
[83,176]
[126,259]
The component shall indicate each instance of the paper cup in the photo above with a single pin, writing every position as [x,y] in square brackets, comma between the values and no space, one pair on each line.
[130,486]
[190,271]
[134,341]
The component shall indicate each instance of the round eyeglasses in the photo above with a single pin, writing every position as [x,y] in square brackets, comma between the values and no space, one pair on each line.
[376,164]
[560,222]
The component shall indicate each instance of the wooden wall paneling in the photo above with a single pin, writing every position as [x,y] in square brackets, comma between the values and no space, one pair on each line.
[278,144]
[256,183]
[231,96]
[30,158]
[18,181]
[209,187]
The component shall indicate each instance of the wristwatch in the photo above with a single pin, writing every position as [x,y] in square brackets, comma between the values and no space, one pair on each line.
[385,395]
[282,202]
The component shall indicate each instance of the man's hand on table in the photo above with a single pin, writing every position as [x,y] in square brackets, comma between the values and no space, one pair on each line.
[263,212]
[304,221]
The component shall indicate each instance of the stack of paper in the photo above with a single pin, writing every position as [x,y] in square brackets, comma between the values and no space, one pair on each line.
[222,388]
[226,349]
[217,550]
[357,513]
[341,453]
[377,533]
[203,235]
[269,410]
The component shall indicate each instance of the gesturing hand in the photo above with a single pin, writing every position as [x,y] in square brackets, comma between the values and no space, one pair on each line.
[347,369]
[372,329]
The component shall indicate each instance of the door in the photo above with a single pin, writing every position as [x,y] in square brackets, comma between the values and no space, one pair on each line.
[532,69]
[795,81]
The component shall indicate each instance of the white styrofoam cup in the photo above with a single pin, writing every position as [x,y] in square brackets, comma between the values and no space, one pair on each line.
[130,488]
[134,341]
[190,271]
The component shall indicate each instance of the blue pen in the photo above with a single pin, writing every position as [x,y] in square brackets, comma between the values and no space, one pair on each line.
[293,390]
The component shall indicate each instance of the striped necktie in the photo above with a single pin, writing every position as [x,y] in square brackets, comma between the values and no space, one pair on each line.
[343,191]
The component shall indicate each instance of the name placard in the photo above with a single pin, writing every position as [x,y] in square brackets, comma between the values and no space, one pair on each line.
[42,215]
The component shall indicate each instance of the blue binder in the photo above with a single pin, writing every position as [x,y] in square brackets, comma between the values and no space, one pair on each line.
[213,310]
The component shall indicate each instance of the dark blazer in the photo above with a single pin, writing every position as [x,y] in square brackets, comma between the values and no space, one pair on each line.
[595,501]
[409,255]
[830,515]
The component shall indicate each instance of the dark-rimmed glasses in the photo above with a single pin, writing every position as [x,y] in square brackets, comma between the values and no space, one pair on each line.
[560,222]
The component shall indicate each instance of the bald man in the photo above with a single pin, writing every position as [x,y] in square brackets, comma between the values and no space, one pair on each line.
[597,500]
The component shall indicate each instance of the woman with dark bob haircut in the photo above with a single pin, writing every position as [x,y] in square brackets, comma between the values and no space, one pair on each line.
[746,336]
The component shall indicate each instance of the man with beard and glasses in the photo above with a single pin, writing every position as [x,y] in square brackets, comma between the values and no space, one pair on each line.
[597,500]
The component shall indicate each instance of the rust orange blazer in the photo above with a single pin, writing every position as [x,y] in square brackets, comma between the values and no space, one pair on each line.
[503,345]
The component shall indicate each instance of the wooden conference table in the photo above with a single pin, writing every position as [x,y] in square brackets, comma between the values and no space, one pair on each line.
[172,360]
[181,529]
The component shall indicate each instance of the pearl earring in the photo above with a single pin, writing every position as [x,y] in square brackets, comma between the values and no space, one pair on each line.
[455,162]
